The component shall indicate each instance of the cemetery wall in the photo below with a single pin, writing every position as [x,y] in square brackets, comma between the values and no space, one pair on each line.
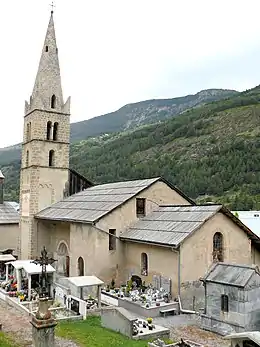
[196,256]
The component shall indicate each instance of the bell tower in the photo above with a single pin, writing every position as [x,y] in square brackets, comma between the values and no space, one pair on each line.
[45,147]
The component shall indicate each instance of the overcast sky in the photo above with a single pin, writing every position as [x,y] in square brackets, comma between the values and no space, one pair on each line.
[121,51]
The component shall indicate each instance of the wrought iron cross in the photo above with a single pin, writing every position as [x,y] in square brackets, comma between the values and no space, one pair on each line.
[44,260]
[52,6]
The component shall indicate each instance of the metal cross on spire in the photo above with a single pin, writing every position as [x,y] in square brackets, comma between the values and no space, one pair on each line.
[52,6]
[44,260]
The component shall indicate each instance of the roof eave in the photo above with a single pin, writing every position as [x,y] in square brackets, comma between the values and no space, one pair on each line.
[150,243]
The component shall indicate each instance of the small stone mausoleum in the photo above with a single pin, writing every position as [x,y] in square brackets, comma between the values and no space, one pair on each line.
[232,299]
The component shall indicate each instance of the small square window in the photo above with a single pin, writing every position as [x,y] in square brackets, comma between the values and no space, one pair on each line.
[140,207]
[112,240]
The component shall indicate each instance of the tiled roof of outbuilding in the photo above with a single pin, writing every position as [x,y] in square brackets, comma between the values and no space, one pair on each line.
[230,274]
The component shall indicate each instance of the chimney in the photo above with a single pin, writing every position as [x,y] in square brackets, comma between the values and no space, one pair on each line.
[2,178]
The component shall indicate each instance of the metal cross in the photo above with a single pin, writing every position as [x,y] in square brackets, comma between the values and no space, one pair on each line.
[44,260]
[52,6]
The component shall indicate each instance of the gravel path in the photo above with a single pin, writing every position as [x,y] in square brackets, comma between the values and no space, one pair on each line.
[18,324]
[186,327]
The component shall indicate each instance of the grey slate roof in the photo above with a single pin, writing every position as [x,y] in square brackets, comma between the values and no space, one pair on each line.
[170,225]
[95,202]
[230,274]
[8,214]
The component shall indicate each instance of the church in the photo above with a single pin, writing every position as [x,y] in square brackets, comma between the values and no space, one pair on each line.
[144,227]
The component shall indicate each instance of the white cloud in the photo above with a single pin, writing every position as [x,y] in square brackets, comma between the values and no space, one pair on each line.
[120,51]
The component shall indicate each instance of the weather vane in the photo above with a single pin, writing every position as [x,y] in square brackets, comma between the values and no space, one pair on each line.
[52,6]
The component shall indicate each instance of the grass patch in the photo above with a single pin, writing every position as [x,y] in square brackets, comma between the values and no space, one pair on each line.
[6,341]
[90,333]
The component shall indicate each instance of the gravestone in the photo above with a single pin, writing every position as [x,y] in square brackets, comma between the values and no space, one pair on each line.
[166,284]
[59,294]
[74,306]
[156,282]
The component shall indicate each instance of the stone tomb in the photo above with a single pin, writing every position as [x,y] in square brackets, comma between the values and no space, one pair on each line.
[121,320]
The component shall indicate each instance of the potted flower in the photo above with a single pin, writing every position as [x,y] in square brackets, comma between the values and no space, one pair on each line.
[149,321]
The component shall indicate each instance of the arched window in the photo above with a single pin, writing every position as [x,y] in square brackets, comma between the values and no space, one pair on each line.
[144,264]
[53,101]
[55,131]
[80,266]
[224,303]
[27,159]
[46,48]
[48,135]
[218,254]
[51,158]
[28,131]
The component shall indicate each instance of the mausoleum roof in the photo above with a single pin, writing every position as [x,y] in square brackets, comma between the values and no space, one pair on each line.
[251,335]
[95,202]
[30,267]
[8,214]
[230,274]
[85,281]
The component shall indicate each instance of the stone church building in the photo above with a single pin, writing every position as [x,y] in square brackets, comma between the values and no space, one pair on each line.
[144,227]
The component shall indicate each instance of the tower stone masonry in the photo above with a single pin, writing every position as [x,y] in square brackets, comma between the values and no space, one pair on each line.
[45,147]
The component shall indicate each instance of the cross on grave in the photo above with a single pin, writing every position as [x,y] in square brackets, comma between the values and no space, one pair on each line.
[44,260]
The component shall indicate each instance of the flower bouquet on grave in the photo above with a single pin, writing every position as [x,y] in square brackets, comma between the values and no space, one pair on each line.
[150,321]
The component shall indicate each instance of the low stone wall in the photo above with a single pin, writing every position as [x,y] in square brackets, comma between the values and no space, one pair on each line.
[220,327]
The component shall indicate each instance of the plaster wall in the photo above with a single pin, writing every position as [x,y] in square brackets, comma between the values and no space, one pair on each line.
[196,256]
[9,235]
[161,261]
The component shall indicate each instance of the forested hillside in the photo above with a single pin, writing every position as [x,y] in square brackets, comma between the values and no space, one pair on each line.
[211,152]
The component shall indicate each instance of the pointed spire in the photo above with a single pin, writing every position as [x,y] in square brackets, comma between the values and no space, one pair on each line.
[47,91]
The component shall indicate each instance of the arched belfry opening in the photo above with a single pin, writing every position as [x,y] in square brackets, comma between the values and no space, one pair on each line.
[27,159]
[48,134]
[51,158]
[53,101]
[55,131]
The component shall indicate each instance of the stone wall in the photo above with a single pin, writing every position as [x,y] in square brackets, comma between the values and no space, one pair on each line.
[220,327]
[192,295]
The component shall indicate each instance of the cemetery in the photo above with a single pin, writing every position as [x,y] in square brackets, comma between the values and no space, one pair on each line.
[146,301]
[127,311]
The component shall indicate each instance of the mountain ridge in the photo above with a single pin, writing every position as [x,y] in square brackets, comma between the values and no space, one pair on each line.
[211,152]
[124,118]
